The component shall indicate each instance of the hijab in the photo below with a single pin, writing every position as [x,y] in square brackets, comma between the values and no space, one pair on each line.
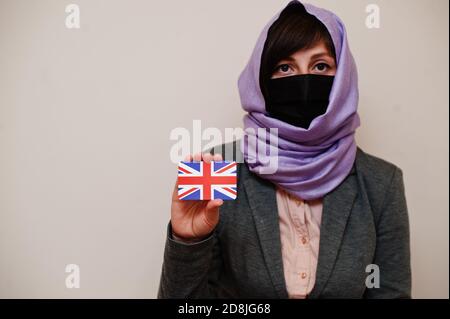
[310,162]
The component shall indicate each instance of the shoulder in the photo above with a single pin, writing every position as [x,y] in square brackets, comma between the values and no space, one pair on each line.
[375,170]
[380,180]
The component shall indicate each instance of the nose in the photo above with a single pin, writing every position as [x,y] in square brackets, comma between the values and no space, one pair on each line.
[301,69]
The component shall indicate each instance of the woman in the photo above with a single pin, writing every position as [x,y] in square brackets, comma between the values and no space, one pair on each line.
[331,221]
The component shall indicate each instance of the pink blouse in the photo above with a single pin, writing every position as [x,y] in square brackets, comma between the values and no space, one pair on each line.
[300,234]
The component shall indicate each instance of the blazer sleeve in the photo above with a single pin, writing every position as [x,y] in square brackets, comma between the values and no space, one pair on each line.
[392,254]
[190,270]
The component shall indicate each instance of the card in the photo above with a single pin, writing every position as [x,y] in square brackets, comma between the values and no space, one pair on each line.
[206,181]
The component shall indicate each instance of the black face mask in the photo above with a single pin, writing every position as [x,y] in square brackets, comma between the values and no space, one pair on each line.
[298,99]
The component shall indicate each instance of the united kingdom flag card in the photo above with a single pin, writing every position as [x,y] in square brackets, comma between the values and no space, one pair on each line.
[206,181]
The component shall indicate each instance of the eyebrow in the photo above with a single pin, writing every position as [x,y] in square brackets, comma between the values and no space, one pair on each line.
[289,58]
[321,54]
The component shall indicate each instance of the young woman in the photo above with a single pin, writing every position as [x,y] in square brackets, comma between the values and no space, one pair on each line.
[331,221]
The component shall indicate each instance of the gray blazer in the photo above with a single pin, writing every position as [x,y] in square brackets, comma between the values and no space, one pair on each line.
[364,221]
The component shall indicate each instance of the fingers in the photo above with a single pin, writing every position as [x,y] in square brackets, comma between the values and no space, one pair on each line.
[217,157]
[206,157]
[197,157]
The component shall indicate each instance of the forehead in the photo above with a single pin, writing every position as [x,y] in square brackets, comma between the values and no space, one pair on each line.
[319,48]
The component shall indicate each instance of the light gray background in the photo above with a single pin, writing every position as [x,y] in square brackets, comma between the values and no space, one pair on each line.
[85,118]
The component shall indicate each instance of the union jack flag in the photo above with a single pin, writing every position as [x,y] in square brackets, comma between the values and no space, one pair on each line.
[205,181]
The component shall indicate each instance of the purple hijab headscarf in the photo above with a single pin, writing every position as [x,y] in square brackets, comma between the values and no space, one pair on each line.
[311,162]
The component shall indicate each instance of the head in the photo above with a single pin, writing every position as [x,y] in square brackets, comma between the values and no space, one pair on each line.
[297,43]
[299,144]
[299,48]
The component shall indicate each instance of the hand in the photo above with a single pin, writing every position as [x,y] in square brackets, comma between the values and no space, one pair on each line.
[195,220]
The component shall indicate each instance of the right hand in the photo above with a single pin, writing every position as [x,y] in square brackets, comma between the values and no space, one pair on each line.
[195,220]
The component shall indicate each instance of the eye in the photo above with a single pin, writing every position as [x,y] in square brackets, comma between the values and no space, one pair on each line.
[283,68]
[321,67]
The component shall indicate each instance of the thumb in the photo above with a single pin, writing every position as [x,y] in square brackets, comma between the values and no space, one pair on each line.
[212,211]
[214,204]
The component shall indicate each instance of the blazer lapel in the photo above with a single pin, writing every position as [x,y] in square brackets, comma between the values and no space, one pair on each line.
[337,206]
[262,199]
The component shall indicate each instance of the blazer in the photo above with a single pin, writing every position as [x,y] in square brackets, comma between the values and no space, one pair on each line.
[364,222]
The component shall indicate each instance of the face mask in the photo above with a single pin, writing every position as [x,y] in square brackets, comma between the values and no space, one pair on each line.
[298,99]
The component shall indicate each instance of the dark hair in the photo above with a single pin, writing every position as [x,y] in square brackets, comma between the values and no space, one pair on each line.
[295,29]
